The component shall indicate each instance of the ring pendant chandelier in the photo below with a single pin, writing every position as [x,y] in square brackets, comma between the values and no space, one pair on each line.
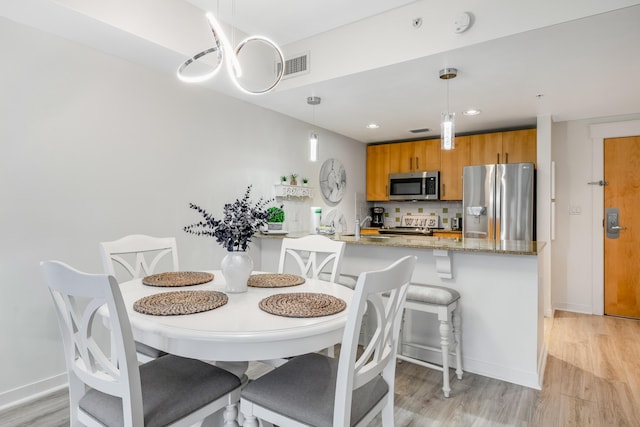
[225,53]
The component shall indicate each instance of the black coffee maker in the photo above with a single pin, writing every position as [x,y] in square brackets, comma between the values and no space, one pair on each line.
[377,217]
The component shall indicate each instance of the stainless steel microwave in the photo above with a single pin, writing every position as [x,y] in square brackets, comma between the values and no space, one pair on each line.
[414,186]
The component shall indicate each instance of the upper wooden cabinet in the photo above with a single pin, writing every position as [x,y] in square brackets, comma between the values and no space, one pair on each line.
[378,172]
[481,149]
[451,168]
[519,146]
[484,148]
[503,147]
[415,156]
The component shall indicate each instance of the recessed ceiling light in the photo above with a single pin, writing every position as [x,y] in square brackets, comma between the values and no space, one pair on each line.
[373,126]
[471,112]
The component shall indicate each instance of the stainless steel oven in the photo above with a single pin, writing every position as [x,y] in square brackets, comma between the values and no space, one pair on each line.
[414,186]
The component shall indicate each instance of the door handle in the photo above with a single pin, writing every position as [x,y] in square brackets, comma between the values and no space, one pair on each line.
[613,227]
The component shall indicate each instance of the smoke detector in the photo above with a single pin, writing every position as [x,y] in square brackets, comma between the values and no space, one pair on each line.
[462,22]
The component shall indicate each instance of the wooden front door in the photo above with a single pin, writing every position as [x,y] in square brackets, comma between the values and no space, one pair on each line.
[622,253]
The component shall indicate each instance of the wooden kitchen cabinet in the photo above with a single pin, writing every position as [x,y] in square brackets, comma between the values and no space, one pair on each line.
[481,149]
[446,234]
[369,231]
[414,156]
[519,146]
[401,157]
[452,163]
[485,148]
[428,154]
[378,172]
[503,147]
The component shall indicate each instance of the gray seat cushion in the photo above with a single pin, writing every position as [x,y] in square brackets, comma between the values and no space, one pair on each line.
[172,387]
[437,295]
[304,389]
[344,279]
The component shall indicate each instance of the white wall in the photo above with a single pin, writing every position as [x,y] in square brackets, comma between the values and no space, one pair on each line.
[94,148]
[572,267]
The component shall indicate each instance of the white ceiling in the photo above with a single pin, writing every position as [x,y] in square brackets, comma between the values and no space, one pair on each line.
[582,68]
[287,21]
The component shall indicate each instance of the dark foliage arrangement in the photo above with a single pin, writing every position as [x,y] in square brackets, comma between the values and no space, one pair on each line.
[242,219]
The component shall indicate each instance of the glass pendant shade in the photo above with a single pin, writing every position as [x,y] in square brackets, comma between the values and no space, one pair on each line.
[447,131]
[313,146]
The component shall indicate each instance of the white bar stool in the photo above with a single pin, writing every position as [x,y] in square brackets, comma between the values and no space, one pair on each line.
[443,302]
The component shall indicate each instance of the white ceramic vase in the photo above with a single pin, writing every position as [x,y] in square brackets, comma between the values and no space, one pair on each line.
[236,269]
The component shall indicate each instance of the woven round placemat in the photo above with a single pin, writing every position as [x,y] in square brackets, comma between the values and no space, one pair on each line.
[180,302]
[304,304]
[177,278]
[274,280]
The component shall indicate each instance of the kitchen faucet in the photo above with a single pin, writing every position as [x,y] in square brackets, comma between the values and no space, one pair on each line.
[360,224]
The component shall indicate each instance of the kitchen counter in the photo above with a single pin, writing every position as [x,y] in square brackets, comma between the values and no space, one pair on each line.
[437,232]
[436,243]
[501,296]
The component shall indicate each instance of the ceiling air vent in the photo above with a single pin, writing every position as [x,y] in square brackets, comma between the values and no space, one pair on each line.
[296,65]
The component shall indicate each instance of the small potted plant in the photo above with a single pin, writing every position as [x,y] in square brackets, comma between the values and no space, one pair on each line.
[293,177]
[283,179]
[305,182]
[275,218]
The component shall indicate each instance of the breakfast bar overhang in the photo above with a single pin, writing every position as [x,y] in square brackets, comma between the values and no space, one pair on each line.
[501,296]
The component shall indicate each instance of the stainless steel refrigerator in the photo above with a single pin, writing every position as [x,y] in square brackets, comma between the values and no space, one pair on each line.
[499,202]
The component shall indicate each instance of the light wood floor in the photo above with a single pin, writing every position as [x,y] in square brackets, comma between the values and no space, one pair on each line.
[592,379]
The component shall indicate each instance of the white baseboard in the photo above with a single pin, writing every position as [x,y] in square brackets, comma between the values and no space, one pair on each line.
[531,379]
[29,392]
[542,364]
[574,308]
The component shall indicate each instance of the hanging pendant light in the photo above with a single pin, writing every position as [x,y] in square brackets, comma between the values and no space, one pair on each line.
[313,135]
[447,122]
[258,81]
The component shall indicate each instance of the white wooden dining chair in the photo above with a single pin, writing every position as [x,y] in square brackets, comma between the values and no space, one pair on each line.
[313,255]
[103,390]
[317,390]
[137,256]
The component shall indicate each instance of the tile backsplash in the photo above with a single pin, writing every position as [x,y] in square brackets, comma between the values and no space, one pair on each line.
[394,211]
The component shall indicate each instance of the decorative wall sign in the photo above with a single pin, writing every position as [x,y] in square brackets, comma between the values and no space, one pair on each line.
[333,180]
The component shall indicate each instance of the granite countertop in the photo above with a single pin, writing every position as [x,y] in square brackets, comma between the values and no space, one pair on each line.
[512,247]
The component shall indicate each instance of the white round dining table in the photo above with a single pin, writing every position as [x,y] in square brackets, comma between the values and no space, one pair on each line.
[238,331]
